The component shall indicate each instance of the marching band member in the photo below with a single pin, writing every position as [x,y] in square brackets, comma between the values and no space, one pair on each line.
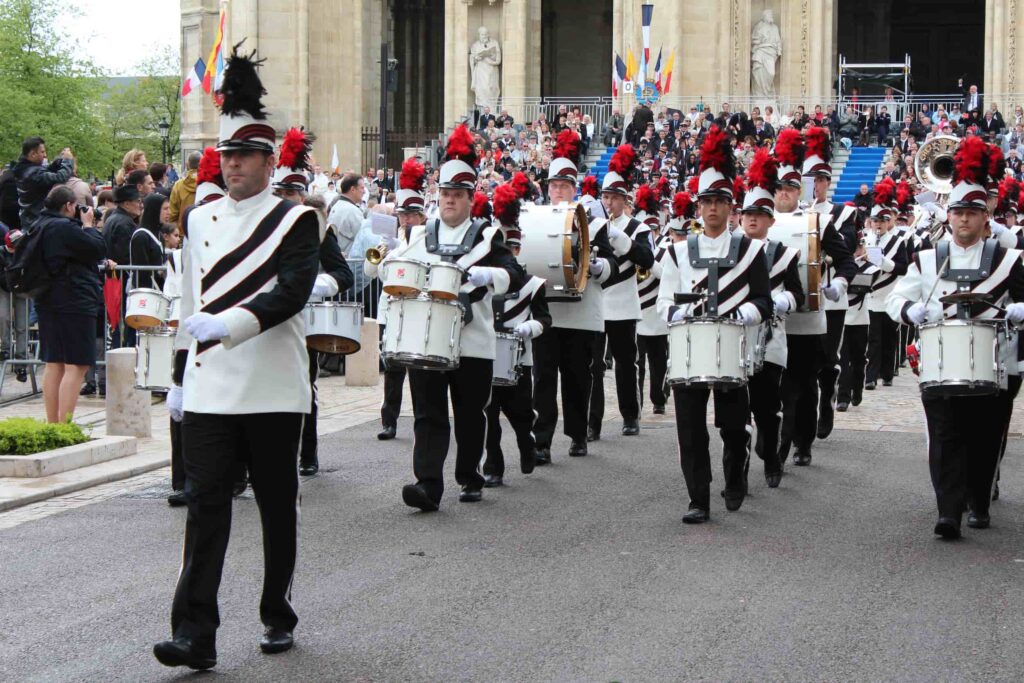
[758,214]
[564,350]
[291,181]
[854,355]
[478,247]
[817,167]
[631,244]
[651,331]
[805,330]
[736,265]
[886,250]
[525,314]
[964,432]
[249,264]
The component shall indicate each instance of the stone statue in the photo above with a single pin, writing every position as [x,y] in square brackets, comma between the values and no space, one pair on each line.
[765,49]
[484,59]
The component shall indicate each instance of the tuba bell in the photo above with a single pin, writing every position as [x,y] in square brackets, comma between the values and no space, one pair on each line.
[934,163]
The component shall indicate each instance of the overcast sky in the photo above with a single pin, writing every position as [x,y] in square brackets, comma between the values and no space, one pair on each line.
[117,35]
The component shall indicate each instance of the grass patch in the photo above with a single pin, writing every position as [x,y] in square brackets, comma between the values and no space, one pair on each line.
[26,436]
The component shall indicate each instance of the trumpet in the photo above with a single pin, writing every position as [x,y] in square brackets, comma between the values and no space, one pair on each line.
[376,254]
[642,274]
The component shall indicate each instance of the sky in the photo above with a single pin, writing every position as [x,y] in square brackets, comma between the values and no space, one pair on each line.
[117,35]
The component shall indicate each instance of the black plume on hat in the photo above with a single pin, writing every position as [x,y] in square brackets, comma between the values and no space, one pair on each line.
[242,88]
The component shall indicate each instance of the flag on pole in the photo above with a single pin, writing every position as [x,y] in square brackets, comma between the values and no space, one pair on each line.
[335,164]
[194,80]
[641,73]
[645,30]
[618,75]
[669,65]
[657,71]
[630,65]
[215,64]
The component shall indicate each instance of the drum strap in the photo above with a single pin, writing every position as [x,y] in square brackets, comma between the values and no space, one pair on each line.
[965,278]
[451,252]
[769,254]
[712,265]
[498,306]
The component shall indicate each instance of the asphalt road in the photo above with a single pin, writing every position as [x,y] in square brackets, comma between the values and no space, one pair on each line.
[579,572]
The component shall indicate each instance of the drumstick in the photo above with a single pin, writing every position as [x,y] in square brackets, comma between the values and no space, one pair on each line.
[936,284]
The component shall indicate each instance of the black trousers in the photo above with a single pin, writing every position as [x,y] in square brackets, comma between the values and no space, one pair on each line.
[517,405]
[799,389]
[470,387]
[655,351]
[308,454]
[621,339]
[731,411]
[766,406]
[1013,388]
[394,379]
[828,375]
[964,437]
[569,354]
[852,361]
[882,340]
[177,459]
[269,444]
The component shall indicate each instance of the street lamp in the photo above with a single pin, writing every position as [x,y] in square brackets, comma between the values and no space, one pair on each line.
[165,130]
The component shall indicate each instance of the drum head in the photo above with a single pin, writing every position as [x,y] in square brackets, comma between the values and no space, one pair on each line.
[399,290]
[325,343]
[142,322]
[443,295]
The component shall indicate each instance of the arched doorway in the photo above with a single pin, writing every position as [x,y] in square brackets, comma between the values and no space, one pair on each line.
[576,48]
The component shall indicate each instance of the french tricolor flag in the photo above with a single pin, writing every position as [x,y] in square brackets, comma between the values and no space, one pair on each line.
[194,80]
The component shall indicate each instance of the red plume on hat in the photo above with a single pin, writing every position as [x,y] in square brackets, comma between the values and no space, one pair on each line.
[692,185]
[567,146]
[739,190]
[590,187]
[683,205]
[622,162]
[904,197]
[885,192]
[763,171]
[817,143]
[413,176]
[506,205]
[1009,195]
[663,189]
[521,184]
[481,206]
[789,148]
[295,149]
[460,146]
[716,153]
[971,163]
[209,168]
[646,200]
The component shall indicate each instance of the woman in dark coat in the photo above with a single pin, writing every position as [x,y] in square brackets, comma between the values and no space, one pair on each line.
[146,247]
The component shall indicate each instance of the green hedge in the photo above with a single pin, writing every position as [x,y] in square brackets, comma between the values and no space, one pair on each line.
[25,436]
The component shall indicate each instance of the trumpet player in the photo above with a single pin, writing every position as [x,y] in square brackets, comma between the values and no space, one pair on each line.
[889,255]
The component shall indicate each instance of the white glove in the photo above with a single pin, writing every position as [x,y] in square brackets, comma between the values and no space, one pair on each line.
[320,291]
[596,267]
[175,403]
[917,313]
[523,331]
[831,292]
[1015,313]
[781,302]
[205,327]
[615,233]
[678,315]
[997,228]
[748,317]
[480,277]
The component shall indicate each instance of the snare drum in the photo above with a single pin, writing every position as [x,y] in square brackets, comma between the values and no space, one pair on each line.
[757,343]
[333,326]
[146,308]
[154,362]
[445,280]
[508,358]
[708,351]
[175,312]
[422,333]
[962,357]
[404,276]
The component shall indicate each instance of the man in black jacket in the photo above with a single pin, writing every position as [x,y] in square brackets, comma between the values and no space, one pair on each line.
[35,180]
[118,228]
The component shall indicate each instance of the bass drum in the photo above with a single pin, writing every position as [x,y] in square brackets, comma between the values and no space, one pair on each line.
[556,246]
[803,233]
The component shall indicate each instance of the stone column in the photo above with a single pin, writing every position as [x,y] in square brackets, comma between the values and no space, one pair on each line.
[516,57]
[1004,19]
[128,408]
[456,61]
[198,115]
[362,368]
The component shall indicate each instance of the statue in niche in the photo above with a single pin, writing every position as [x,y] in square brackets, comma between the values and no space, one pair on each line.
[485,76]
[765,50]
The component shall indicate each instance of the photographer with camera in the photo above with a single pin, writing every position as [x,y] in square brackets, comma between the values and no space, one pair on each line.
[71,247]
[35,179]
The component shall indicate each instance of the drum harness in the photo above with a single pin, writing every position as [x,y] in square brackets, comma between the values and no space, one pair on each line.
[964,278]
[451,254]
[712,265]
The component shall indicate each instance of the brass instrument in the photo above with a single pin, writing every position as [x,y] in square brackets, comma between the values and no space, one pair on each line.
[642,274]
[376,254]
[934,163]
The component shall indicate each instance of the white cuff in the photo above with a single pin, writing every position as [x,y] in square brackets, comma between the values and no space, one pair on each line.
[842,285]
[887,265]
[749,310]
[500,280]
[329,282]
[609,265]
[621,244]
[656,270]
[242,325]
[370,269]
[792,301]
[1007,240]
[536,329]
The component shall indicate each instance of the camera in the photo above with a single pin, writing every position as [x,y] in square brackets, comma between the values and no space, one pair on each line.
[83,209]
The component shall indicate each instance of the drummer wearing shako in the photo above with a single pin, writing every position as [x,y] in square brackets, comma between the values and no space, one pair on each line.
[291,181]
[886,250]
[410,205]
[651,331]
[576,320]
[964,432]
[818,169]
[524,314]
[729,271]
[479,249]
[631,244]
[806,328]
[758,215]
[250,261]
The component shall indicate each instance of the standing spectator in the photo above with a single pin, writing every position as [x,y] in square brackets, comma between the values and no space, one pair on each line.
[183,194]
[172,175]
[146,247]
[134,160]
[158,172]
[345,215]
[642,118]
[9,211]
[35,180]
[104,205]
[883,122]
[71,248]
[142,181]
[118,227]
[973,100]
[83,193]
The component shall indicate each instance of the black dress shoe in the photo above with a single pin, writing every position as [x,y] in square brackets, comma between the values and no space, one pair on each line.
[695,516]
[492,480]
[826,419]
[177,499]
[416,496]
[978,521]
[593,434]
[184,652]
[578,449]
[773,479]
[631,427]
[276,640]
[239,487]
[802,457]
[88,390]
[733,500]
[659,410]
[842,407]
[886,382]
[308,469]
[387,433]
[471,495]
[542,457]
[527,461]
[857,398]
[21,375]
[948,528]
[869,386]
